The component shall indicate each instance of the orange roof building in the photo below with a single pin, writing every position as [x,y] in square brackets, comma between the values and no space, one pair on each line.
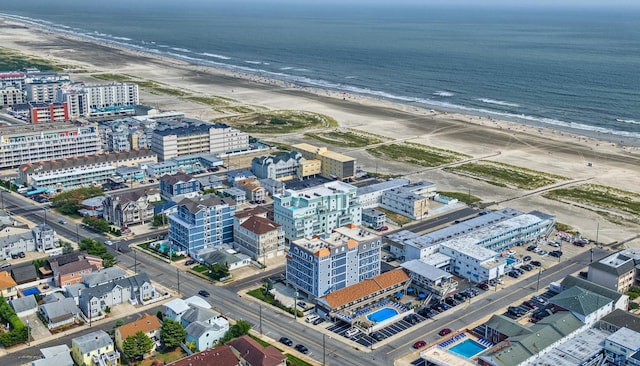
[147,324]
[329,262]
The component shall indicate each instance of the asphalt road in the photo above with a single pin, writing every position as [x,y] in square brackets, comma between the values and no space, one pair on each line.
[275,323]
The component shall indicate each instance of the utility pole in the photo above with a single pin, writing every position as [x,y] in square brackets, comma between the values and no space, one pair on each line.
[178,274]
[260,319]
[538,283]
[597,231]
[78,233]
[324,349]
[295,306]
[135,261]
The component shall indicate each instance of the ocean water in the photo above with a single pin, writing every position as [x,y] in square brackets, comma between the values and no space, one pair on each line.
[570,69]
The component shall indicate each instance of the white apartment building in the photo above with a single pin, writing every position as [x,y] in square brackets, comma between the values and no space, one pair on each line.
[370,196]
[42,142]
[89,100]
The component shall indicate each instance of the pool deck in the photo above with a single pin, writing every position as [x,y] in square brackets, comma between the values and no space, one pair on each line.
[436,353]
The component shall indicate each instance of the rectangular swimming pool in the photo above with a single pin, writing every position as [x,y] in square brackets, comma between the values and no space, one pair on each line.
[382,314]
[468,348]
[31,291]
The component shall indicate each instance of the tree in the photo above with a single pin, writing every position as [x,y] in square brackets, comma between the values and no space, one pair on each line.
[136,346]
[172,334]
[67,248]
[239,329]
[160,220]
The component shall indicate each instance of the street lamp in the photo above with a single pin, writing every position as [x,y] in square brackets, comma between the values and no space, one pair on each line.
[28,333]
[538,283]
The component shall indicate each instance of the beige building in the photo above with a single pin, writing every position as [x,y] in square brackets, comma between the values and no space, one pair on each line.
[8,288]
[310,168]
[257,236]
[619,271]
[252,188]
[334,165]
[94,349]
[10,96]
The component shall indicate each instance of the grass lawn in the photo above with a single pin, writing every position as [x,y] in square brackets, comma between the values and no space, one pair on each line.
[119,78]
[167,357]
[395,217]
[14,60]
[467,198]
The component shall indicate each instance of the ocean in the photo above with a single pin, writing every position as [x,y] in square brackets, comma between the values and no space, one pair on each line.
[562,68]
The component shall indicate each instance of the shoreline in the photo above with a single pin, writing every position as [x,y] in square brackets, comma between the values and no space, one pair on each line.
[264,78]
[537,148]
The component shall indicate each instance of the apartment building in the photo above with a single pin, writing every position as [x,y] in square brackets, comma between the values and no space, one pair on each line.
[194,137]
[317,209]
[619,271]
[12,79]
[131,207]
[32,143]
[332,261]
[11,96]
[179,185]
[252,189]
[371,196]
[285,166]
[93,100]
[80,171]
[202,223]
[411,200]
[334,165]
[257,236]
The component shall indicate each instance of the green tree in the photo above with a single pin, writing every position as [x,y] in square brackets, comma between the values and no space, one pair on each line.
[239,329]
[160,220]
[67,248]
[97,224]
[172,333]
[136,346]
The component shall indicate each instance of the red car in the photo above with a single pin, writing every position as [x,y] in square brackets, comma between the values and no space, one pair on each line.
[444,332]
[419,344]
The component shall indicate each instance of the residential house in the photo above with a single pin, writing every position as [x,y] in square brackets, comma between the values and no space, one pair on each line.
[373,218]
[59,313]
[179,185]
[92,207]
[14,240]
[137,289]
[131,207]
[272,186]
[56,355]
[68,269]
[219,356]
[103,276]
[222,256]
[204,326]
[257,236]
[24,306]
[253,354]
[45,238]
[24,273]
[8,288]
[284,166]
[147,324]
[238,195]
[94,349]
[73,291]
[201,224]
[252,188]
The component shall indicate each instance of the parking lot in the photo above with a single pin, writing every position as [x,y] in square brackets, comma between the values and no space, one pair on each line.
[340,327]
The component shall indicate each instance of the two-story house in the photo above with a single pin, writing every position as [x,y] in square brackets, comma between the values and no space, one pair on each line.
[147,324]
[94,349]
[252,189]
[251,353]
[129,208]
[179,185]
[137,289]
[7,286]
[68,269]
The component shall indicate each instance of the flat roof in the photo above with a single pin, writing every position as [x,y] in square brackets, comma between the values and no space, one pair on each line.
[470,249]
[626,338]
[425,270]
[383,186]
[51,127]
[351,235]
[325,189]
[576,350]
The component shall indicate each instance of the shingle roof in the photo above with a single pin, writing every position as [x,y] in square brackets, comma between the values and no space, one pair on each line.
[130,282]
[621,318]
[92,341]
[196,313]
[260,225]
[6,281]
[103,276]
[369,286]
[24,303]
[507,326]
[255,354]
[175,178]
[579,300]
[197,329]
[24,273]
[571,281]
[256,211]
[196,205]
[145,324]
[107,157]
[60,310]
[219,356]
[132,196]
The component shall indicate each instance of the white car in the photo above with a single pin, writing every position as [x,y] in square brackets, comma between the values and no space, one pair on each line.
[351,332]
[311,318]
[511,252]
[108,242]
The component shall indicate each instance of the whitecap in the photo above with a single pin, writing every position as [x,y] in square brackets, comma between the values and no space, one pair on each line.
[180,49]
[221,57]
[498,102]
[632,121]
[442,93]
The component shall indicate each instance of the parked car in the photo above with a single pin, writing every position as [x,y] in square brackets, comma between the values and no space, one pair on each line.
[543,252]
[377,336]
[318,321]
[302,304]
[351,332]
[311,318]
[527,267]
[301,348]
[444,332]
[189,262]
[286,341]
[424,312]
[531,248]
[203,293]
[555,244]
[419,344]
[526,258]
[383,228]
[556,253]
[540,299]
[513,274]
[530,304]
[108,242]
[535,263]
[482,286]
[21,255]
[63,222]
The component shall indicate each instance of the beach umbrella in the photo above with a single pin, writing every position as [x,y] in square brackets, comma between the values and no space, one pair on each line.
[422,296]
[410,290]
[399,295]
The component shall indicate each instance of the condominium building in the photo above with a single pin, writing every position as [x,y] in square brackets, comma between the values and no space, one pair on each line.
[371,196]
[332,261]
[194,137]
[317,209]
[202,223]
[12,79]
[80,171]
[257,236]
[619,271]
[131,207]
[334,165]
[285,166]
[42,87]
[96,99]
[411,200]
[32,143]
[10,96]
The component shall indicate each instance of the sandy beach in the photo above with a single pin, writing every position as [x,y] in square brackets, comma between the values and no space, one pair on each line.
[612,163]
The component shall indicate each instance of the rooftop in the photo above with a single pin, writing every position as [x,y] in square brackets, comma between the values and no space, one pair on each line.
[92,341]
[626,338]
[145,324]
[576,350]
[425,270]
[260,225]
[350,235]
[579,300]
[383,186]
[351,293]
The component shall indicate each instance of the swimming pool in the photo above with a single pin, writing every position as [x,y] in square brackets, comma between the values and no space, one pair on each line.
[382,314]
[31,291]
[468,348]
